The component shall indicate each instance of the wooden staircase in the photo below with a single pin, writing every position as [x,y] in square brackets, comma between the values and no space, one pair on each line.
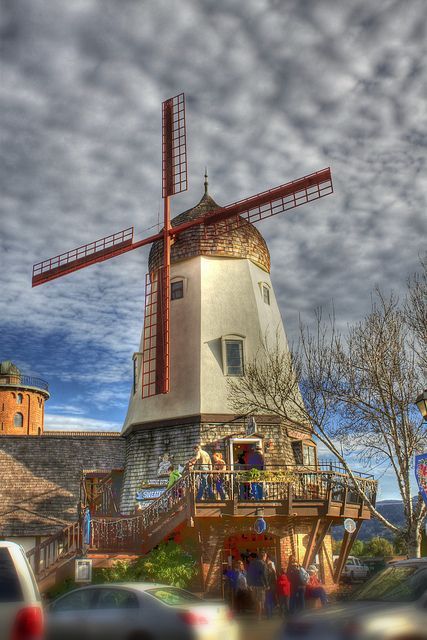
[112,537]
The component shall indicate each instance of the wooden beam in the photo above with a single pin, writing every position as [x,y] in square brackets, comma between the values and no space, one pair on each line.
[290,499]
[321,536]
[311,543]
[344,502]
[347,543]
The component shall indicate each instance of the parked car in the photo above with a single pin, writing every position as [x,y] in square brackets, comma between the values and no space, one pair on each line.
[392,605]
[354,570]
[137,611]
[21,615]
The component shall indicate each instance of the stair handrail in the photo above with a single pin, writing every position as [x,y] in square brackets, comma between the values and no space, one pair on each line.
[135,528]
[62,545]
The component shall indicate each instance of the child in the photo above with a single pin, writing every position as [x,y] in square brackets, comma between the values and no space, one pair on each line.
[283,592]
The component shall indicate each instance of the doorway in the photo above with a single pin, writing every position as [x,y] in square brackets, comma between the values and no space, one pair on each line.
[239,547]
[239,449]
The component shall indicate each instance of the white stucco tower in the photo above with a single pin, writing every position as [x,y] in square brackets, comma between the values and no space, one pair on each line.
[222,306]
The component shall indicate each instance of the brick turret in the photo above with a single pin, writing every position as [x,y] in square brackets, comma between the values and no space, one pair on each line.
[22,401]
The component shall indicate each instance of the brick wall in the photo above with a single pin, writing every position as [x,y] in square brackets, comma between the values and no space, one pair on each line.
[28,403]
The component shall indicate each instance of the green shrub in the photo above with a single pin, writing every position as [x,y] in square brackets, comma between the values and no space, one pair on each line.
[169,563]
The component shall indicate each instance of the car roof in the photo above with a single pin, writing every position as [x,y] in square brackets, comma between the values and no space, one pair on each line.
[8,543]
[136,586]
[409,561]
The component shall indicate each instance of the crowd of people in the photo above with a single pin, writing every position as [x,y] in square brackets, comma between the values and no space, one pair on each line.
[255,584]
[213,487]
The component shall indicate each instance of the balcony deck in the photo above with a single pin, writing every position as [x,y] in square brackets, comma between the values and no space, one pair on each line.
[300,492]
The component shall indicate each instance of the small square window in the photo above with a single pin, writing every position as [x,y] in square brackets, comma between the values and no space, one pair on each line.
[266,294]
[177,290]
[234,357]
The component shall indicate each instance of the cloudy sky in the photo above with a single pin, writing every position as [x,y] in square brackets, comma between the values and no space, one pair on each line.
[275,89]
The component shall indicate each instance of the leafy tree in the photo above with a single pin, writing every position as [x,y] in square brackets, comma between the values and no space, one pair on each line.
[358,548]
[354,392]
[379,547]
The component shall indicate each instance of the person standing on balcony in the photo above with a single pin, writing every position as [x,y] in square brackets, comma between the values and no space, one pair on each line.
[220,466]
[256,461]
[202,462]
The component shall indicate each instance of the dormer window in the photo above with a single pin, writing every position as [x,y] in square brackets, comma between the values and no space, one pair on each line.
[177,289]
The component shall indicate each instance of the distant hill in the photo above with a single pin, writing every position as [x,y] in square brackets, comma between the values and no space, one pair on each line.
[390,509]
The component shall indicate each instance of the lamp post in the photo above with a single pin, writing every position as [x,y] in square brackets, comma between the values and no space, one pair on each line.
[421,403]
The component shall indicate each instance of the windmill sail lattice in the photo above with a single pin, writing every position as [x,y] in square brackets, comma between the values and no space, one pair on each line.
[155,372]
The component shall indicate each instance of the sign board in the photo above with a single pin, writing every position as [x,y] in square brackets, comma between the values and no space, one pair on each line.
[251,426]
[82,570]
[421,474]
[349,525]
[150,494]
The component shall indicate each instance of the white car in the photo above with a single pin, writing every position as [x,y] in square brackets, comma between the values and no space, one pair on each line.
[392,605]
[21,614]
[354,570]
[138,611]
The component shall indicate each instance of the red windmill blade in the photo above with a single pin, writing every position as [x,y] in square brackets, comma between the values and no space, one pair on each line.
[155,357]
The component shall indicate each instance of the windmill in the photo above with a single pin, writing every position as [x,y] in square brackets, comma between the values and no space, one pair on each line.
[156,352]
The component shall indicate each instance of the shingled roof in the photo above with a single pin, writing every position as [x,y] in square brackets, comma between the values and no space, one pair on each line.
[40,477]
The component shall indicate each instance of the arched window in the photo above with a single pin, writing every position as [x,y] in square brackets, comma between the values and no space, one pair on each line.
[18,420]
[19,398]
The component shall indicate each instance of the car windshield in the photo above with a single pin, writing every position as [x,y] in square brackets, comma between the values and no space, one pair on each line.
[174,596]
[395,584]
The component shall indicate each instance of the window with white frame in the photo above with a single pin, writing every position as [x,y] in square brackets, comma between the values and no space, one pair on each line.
[233,355]
[19,398]
[308,455]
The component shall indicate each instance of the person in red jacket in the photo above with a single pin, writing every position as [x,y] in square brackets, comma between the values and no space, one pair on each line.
[314,588]
[283,592]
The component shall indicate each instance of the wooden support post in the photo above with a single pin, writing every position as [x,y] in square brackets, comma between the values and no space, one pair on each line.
[322,533]
[37,557]
[311,543]
[344,501]
[347,543]
[290,499]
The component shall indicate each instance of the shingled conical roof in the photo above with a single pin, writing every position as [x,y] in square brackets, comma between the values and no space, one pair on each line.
[242,241]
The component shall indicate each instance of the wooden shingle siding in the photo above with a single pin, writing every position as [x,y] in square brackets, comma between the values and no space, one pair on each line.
[40,478]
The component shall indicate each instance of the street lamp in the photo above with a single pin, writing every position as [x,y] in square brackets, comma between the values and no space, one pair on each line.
[421,403]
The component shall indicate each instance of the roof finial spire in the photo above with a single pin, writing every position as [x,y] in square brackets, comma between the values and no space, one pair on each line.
[206,181]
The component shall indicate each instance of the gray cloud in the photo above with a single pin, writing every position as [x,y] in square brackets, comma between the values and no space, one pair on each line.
[275,89]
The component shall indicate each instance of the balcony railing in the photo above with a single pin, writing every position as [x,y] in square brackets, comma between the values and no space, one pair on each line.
[19,380]
[277,484]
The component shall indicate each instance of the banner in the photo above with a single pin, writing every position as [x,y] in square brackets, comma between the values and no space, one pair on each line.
[421,474]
